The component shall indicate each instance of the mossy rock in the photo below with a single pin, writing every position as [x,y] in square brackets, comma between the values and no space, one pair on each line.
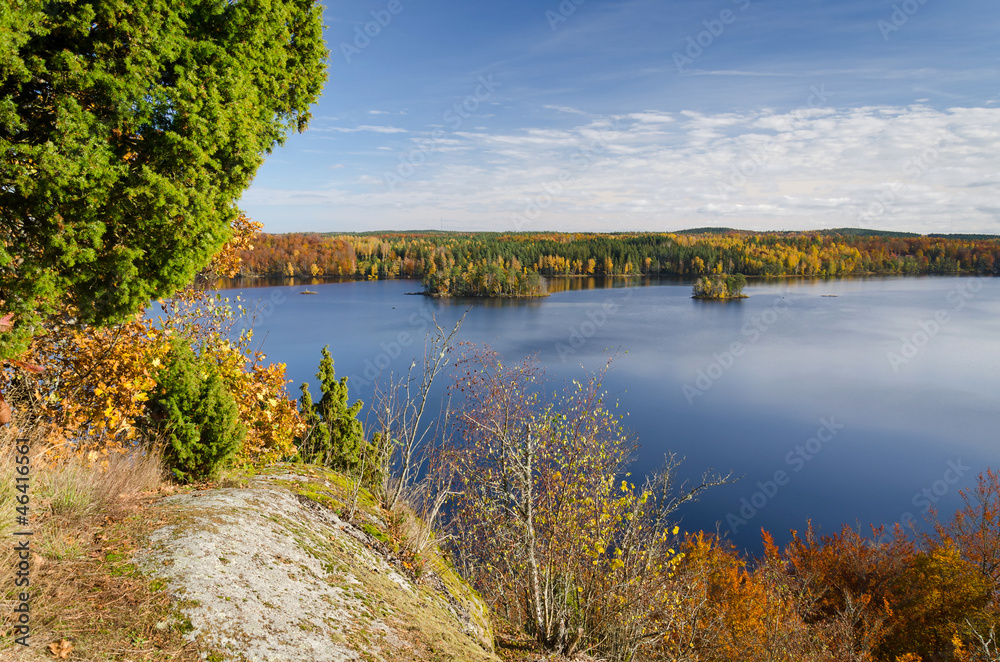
[271,571]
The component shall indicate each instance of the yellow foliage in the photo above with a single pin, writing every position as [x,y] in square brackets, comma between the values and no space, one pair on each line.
[93,394]
[96,383]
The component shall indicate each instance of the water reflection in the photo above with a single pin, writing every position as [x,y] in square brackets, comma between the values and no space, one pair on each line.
[821,354]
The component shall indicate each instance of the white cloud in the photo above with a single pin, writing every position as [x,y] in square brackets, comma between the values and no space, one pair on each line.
[565,109]
[364,127]
[651,117]
[894,168]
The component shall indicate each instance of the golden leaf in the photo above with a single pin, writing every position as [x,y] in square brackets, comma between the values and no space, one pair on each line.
[60,649]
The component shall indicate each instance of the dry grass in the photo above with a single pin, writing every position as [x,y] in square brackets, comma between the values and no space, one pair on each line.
[86,519]
[513,645]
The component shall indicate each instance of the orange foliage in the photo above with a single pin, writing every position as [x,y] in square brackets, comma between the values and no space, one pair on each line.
[975,528]
[229,260]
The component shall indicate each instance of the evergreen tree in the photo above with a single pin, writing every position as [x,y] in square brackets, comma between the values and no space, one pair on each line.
[128,132]
[334,436]
[196,413]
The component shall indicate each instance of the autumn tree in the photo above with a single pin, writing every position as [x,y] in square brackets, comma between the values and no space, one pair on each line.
[128,132]
[634,599]
[512,472]
[973,535]
[6,323]
[93,395]
[222,330]
[719,286]
[945,599]
[546,521]
[858,581]
[731,610]
[498,264]
[229,261]
[975,527]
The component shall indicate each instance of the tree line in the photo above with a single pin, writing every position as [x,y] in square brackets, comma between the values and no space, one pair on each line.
[508,264]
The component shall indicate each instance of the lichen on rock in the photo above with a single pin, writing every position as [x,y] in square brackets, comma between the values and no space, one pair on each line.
[263,573]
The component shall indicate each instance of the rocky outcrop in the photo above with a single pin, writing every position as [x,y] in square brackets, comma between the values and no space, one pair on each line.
[270,571]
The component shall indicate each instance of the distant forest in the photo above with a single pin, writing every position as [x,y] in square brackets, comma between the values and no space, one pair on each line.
[510,264]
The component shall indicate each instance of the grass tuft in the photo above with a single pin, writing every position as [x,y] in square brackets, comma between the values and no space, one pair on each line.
[87,520]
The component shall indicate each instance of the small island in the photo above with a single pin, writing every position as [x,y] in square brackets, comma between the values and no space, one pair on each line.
[494,281]
[719,287]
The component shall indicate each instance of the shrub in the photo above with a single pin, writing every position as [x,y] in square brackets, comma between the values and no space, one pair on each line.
[94,391]
[196,413]
[211,324]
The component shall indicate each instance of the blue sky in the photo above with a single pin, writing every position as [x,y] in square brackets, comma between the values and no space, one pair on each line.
[645,115]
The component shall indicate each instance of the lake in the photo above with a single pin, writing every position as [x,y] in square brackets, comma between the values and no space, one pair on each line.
[850,400]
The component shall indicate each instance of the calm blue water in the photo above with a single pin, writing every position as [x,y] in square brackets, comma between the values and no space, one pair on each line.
[834,409]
